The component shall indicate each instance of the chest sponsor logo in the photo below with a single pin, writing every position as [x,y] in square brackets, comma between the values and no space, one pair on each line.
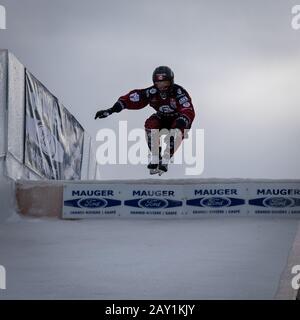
[173,103]
[166,109]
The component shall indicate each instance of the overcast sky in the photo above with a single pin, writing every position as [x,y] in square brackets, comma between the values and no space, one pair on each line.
[239,60]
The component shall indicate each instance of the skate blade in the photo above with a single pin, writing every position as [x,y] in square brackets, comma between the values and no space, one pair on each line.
[160,172]
[154,171]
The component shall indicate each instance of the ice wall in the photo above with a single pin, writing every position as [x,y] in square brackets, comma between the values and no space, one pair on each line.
[7,198]
[12,125]
[3,109]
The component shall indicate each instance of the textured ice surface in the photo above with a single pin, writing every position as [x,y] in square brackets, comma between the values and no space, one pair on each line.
[214,258]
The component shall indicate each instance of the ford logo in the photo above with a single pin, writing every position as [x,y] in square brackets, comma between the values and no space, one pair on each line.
[278,202]
[215,202]
[92,203]
[153,203]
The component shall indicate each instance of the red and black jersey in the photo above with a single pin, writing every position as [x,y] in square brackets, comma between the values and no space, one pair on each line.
[177,102]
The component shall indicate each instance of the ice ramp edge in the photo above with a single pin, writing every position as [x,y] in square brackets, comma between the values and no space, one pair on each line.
[159,198]
[287,289]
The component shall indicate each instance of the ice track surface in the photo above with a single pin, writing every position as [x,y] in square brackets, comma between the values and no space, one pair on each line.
[209,258]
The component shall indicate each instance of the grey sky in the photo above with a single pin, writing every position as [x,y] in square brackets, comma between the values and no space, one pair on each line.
[239,60]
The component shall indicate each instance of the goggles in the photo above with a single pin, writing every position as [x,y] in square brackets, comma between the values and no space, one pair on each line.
[162,85]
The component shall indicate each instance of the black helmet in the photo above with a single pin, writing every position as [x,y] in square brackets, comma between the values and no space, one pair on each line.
[163,73]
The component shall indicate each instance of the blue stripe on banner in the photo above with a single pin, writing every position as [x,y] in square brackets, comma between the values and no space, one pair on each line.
[275,202]
[92,203]
[215,202]
[152,203]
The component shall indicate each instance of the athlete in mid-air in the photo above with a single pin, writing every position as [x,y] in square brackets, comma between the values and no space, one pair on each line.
[174,110]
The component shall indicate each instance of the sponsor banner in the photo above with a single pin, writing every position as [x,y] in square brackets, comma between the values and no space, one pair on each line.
[274,198]
[216,199]
[54,138]
[89,201]
[100,200]
[180,200]
[153,200]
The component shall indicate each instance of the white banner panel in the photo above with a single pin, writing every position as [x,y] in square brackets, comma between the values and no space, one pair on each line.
[216,199]
[181,199]
[91,200]
[152,200]
[274,198]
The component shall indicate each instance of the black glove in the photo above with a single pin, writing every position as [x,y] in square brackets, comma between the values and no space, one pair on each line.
[117,107]
[103,114]
[182,123]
